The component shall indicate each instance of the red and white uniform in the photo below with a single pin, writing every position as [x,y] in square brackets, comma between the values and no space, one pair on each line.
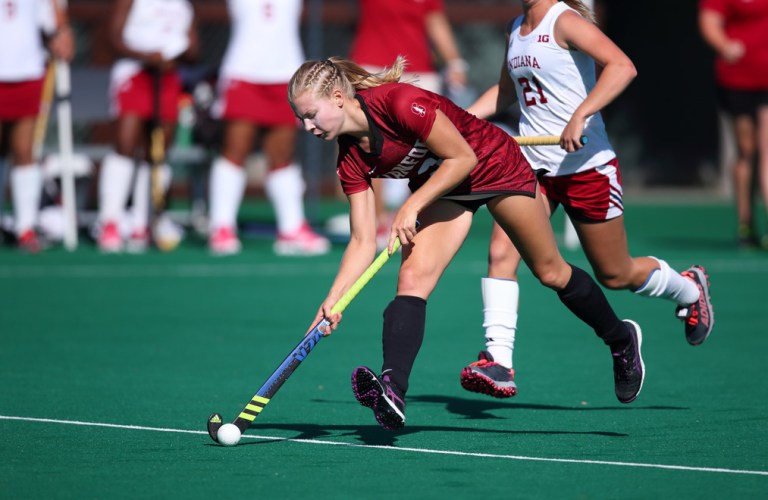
[388,29]
[551,82]
[401,118]
[746,21]
[263,53]
[152,26]
[22,55]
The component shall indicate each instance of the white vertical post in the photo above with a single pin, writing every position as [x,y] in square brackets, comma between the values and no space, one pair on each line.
[66,154]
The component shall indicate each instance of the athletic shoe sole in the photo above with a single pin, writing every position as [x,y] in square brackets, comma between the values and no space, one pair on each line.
[703,283]
[477,382]
[370,393]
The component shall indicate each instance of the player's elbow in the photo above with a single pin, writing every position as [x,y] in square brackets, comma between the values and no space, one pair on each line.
[629,70]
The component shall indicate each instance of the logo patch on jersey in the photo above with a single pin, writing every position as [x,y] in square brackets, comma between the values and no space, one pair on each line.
[418,109]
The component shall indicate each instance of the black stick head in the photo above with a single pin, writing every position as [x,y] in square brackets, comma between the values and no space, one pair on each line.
[214,423]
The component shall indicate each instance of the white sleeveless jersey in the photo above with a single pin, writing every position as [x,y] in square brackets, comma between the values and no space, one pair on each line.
[22,54]
[551,82]
[264,45]
[154,26]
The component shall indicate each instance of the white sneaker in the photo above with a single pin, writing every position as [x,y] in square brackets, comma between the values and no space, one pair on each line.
[138,241]
[304,241]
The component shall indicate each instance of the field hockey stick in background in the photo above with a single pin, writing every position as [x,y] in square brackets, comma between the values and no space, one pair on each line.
[66,153]
[41,125]
[164,233]
[542,140]
[293,360]
[156,148]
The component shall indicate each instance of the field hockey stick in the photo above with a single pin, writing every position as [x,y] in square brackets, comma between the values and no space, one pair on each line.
[542,140]
[297,355]
[157,146]
[46,98]
[66,153]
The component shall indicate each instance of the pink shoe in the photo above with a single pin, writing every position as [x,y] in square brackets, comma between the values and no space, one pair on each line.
[224,241]
[304,241]
[29,242]
[110,240]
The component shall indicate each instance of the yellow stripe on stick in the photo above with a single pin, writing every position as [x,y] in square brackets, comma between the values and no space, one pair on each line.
[255,408]
[259,399]
[247,416]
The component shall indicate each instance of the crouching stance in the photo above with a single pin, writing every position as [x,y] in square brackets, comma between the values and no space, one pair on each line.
[455,163]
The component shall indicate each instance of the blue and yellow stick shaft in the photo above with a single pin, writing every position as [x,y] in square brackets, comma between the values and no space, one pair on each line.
[257,403]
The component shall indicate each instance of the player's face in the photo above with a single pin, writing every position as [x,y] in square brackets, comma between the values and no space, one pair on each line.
[321,116]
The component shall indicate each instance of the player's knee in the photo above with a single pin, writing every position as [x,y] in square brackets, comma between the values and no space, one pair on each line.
[414,281]
[551,277]
[613,281]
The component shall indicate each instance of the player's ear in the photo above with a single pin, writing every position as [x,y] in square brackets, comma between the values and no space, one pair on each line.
[337,97]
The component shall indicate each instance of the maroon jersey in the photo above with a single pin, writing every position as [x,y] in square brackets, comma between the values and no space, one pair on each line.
[401,117]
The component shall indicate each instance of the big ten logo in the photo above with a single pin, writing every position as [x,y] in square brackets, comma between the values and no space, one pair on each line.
[543,39]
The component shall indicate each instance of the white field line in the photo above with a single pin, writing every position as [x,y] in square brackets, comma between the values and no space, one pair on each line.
[733,266]
[403,449]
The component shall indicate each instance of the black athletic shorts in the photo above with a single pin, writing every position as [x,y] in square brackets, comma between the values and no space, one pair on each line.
[741,102]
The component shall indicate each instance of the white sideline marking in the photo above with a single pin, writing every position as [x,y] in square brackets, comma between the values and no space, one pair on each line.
[402,449]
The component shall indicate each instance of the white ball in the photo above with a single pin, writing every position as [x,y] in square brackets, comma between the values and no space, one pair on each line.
[228,435]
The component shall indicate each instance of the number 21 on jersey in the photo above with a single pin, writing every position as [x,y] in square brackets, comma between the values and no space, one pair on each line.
[532,91]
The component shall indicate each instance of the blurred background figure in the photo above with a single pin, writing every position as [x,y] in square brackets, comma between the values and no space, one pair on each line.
[150,37]
[22,74]
[411,28]
[737,30]
[263,52]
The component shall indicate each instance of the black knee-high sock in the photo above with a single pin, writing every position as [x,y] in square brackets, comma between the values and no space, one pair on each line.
[587,301]
[404,320]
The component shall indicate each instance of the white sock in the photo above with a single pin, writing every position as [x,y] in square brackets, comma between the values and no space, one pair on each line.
[142,188]
[667,283]
[225,193]
[114,186]
[285,189]
[500,302]
[26,188]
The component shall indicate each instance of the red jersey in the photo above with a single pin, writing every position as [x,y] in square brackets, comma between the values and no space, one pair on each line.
[401,117]
[746,21]
[388,29]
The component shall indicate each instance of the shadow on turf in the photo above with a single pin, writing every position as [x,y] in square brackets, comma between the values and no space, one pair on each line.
[478,409]
[373,435]
[471,409]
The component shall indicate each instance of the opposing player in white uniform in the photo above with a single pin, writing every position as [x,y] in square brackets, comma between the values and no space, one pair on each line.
[22,70]
[263,52]
[549,68]
[151,36]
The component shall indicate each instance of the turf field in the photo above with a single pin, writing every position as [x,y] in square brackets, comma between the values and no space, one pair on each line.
[110,365]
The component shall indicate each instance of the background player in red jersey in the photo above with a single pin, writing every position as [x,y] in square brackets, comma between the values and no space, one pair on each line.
[738,32]
[415,29]
[455,163]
